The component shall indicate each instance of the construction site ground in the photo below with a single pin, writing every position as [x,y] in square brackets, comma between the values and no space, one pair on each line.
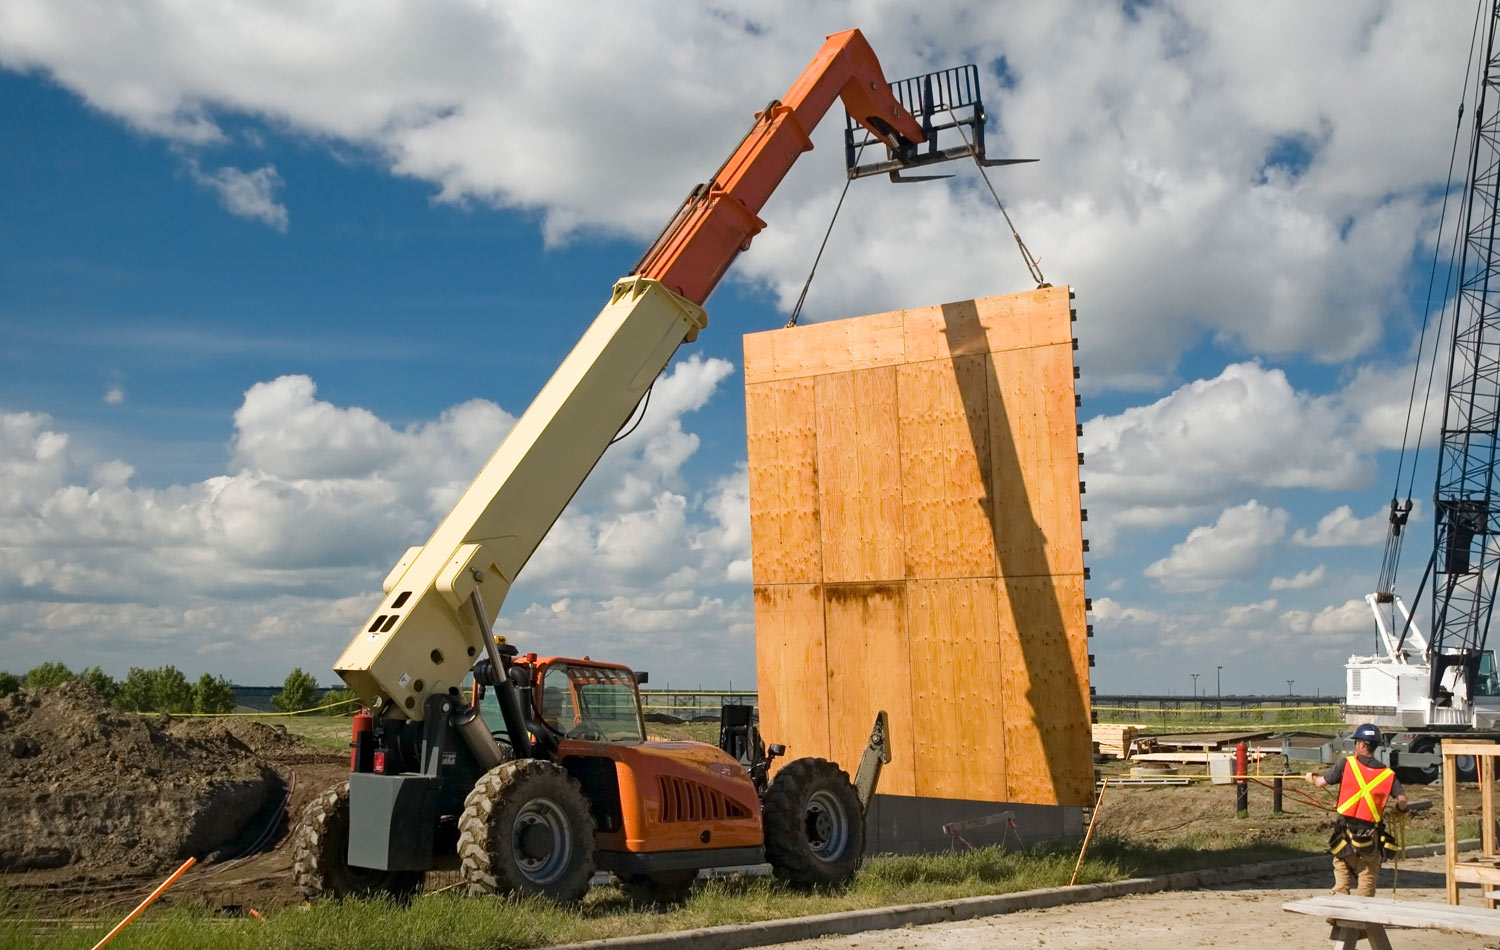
[1176,823]
[1245,916]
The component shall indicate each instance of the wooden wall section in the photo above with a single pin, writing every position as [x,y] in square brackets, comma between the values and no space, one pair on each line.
[915,520]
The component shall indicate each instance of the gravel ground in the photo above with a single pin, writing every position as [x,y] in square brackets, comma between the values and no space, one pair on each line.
[1248,917]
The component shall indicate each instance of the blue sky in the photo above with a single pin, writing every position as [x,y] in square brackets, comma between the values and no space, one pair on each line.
[272,284]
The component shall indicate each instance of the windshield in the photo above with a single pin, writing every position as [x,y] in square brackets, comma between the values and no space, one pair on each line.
[590,702]
[1488,684]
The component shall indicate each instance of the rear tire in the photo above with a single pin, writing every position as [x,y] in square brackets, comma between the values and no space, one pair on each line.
[814,830]
[320,856]
[1420,774]
[526,829]
[663,887]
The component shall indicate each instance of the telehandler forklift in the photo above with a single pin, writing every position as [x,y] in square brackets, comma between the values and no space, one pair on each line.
[571,786]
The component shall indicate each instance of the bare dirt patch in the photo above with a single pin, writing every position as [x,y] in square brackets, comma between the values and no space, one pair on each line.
[93,789]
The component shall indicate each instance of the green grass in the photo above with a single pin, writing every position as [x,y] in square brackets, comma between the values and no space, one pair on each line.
[328,731]
[447,920]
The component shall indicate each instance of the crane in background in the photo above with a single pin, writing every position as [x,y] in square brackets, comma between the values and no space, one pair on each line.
[1423,686]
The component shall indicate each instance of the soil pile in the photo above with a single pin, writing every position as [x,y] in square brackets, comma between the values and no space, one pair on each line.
[84,784]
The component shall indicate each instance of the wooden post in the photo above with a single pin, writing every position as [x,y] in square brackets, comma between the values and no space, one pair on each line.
[1242,787]
[1486,767]
[1450,822]
[1276,796]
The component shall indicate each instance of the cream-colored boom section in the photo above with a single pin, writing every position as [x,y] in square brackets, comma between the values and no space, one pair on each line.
[424,637]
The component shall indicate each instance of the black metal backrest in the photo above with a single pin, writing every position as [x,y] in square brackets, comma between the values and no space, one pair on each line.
[946,101]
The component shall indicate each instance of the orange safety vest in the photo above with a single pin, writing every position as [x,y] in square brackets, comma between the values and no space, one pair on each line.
[1363,791]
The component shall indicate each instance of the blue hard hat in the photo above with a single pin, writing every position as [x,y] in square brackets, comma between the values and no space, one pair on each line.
[1367,733]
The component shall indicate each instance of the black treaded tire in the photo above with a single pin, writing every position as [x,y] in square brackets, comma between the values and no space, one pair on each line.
[815,833]
[527,804]
[663,887]
[1420,775]
[320,856]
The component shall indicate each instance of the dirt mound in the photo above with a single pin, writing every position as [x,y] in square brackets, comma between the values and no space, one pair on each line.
[268,742]
[86,785]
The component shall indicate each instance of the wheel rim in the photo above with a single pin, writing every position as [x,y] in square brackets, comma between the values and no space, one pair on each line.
[1465,765]
[826,825]
[541,819]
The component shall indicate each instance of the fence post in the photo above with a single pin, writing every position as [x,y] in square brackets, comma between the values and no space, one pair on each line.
[1242,787]
[1276,796]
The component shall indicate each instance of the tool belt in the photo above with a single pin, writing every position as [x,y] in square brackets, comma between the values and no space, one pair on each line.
[1354,837]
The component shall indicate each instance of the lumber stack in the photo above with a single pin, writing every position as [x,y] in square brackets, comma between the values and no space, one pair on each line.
[915,521]
[1114,740]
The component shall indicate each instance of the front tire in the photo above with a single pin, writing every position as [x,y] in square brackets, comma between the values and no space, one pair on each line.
[526,829]
[320,856]
[814,830]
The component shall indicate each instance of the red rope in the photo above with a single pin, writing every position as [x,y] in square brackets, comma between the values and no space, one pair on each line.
[1295,794]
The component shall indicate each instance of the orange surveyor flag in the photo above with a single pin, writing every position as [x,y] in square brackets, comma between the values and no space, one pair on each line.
[1363,791]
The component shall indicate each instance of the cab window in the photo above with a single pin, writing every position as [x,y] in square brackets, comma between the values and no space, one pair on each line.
[584,702]
[1488,683]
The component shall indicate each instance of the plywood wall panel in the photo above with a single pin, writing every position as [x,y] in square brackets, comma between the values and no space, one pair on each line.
[784,533]
[867,646]
[819,348]
[945,468]
[956,700]
[991,324]
[918,470]
[791,652]
[859,494]
[1034,458]
[1044,664]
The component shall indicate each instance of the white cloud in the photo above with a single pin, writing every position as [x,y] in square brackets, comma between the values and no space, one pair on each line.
[1349,618]
[1228,550]
[114,395]
[1302,580]
[1155,142]
[1340,528]
[1152,647]
[248,194]
[1212,440]
[286,548]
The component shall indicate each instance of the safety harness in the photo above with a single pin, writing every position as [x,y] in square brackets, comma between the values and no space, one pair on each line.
[1362,797]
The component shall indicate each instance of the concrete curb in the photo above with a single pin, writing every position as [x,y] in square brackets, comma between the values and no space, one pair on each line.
[761,933]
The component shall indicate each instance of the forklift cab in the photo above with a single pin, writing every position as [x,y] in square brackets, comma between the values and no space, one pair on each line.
[578,699]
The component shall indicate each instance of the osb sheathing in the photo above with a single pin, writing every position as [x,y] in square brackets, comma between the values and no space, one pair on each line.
[915,519]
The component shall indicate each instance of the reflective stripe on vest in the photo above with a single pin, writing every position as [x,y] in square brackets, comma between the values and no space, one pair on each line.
[1363,791]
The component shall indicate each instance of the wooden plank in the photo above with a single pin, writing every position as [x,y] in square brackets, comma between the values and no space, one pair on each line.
[988,325]
[834,346]
[1476,874]
[945,468]
[865,629]
[1044,679]
[1034,457]
[1414,915]
[784,534]
[959,711]
[1450,824]
[859,476]
[791,658]
[1469,748]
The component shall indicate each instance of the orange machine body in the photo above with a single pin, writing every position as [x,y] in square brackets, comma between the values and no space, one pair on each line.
[651,796]
[672,796]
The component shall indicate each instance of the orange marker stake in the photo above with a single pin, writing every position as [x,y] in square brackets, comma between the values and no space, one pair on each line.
[1087,835]
[147,902]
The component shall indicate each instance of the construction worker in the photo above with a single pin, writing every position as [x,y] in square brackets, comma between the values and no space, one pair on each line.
[1359,835]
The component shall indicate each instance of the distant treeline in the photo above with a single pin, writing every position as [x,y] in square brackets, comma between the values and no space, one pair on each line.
[166,689]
